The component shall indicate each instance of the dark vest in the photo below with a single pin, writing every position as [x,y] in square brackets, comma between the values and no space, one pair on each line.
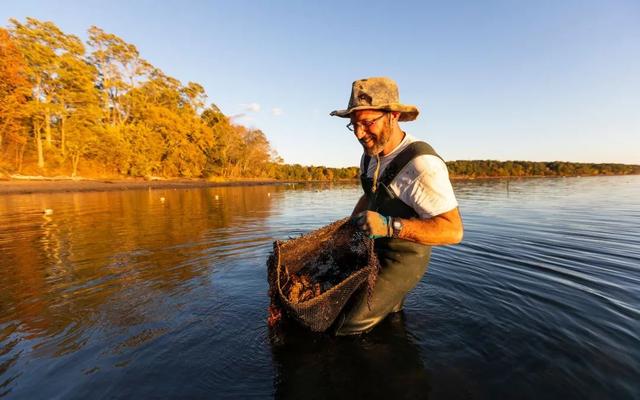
[384,201]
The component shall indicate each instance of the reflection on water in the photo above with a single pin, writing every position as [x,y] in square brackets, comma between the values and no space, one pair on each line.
[61,267]
[162,293]
[111,269]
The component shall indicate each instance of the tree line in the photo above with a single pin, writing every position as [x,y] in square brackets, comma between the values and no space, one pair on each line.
[490,168]
[100,109]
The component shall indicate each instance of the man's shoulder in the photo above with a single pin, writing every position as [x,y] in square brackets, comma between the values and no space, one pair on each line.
[418,151]
[420,170]
[427,164]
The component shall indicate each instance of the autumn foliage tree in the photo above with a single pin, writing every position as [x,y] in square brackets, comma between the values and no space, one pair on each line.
[14,93]
[111,110]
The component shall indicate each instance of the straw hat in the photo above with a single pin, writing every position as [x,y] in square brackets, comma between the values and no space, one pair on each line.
[377,94]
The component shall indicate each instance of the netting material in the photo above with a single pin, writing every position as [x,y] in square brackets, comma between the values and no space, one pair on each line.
[339,243]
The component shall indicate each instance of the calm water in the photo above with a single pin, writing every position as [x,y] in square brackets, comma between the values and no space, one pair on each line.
[126,295]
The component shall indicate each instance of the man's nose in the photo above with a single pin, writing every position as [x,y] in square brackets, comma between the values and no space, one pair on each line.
[359,131]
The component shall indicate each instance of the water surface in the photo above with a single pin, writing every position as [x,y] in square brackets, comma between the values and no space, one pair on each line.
[163,293]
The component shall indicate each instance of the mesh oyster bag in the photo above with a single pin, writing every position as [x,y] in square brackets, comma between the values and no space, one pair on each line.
[312,277]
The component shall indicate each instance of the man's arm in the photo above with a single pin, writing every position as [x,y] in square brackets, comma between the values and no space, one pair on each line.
[445,228]
[361,205]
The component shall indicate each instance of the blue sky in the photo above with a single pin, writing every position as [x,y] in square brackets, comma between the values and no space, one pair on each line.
[505,80]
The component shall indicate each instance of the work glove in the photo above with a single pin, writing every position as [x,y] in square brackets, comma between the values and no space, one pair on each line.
[373,224]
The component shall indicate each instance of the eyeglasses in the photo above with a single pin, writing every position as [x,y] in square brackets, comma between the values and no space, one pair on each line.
[365,123]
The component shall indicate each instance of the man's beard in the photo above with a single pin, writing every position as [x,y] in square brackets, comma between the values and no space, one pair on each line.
[378,142]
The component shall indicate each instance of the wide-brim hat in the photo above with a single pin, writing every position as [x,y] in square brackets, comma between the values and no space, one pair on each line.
[377,94]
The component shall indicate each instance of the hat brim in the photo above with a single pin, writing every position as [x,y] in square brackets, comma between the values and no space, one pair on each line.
[407,112]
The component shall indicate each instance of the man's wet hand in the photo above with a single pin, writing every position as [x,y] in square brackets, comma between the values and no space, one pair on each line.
[373,224]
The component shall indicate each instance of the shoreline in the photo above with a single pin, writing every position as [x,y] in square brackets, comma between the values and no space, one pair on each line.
[57,185]
[33,186]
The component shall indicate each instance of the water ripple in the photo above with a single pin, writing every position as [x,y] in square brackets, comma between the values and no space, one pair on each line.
[124,295]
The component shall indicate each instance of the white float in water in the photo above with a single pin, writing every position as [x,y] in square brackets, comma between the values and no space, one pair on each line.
[47,211]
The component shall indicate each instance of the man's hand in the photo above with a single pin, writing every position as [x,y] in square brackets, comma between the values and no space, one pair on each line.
[373,224]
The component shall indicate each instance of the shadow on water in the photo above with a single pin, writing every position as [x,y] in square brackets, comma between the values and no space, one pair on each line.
[384,363]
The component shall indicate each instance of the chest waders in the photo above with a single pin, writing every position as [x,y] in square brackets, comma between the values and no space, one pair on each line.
[403,262]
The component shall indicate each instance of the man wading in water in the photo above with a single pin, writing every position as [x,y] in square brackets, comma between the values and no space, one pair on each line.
[408,205]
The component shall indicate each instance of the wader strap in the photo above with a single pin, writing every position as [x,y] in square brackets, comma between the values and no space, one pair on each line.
[412,151]
[367,160]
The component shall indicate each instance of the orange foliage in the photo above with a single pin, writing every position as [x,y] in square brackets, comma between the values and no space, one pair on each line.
[14,89]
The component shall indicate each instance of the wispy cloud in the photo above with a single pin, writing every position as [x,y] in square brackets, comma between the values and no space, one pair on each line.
[252,107]
[277,111]
[241,118]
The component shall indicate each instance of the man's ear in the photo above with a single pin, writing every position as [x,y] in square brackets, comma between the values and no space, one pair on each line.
[395,115]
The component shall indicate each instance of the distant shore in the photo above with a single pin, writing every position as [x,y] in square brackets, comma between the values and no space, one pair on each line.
[26,186]
[63,184]
[52,185]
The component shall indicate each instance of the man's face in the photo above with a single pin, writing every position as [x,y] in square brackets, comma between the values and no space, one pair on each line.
[374,137]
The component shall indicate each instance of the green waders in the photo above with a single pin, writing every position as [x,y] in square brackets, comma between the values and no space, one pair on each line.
[403,263]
